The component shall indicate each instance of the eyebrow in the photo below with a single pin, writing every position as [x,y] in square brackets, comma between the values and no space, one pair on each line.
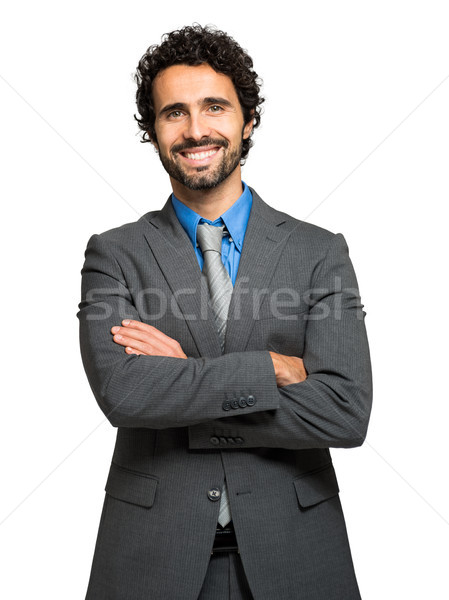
[214,100]
[208,100]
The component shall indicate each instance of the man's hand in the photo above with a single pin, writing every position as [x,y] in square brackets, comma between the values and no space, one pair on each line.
[140,338]
[288,369]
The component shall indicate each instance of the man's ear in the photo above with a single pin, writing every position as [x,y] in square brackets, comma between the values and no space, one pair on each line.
[153,143]
[247,130]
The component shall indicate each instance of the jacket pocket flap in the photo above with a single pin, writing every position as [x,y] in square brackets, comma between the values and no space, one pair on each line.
[130,486]
[316,486]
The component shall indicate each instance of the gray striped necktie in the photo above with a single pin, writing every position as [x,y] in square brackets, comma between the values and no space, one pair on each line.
[220,290]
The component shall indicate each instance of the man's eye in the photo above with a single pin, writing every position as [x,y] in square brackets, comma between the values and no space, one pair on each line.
[215,108]
[174,114]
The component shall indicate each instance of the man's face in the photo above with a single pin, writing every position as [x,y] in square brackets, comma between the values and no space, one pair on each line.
[199,125]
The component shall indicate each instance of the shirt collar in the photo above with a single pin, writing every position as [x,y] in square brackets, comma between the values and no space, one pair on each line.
[235,218]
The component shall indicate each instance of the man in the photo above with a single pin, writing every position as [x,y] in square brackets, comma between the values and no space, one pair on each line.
[226,341]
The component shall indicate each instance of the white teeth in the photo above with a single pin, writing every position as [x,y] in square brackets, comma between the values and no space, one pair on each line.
[200,155]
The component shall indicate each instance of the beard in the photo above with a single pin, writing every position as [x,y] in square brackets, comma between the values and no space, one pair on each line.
[205,177]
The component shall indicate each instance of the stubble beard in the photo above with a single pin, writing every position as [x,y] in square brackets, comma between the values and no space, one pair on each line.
[206,177]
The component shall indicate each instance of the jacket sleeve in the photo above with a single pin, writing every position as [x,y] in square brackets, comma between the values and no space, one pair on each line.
[155,391]
[331,408]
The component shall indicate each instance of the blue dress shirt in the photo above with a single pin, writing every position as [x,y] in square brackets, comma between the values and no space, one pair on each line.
[235,220]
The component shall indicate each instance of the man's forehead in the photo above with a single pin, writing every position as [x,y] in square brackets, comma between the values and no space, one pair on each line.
[192,84]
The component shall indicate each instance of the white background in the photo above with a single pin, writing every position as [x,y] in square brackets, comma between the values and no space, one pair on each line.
[355,138]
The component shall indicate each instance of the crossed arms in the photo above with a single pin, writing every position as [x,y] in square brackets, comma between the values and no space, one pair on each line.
[322,400]
[141,339]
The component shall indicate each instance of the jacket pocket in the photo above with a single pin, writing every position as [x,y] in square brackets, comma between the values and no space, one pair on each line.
[316,486]
[131,486]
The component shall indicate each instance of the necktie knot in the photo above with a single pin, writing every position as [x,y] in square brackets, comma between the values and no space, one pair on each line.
[209,237]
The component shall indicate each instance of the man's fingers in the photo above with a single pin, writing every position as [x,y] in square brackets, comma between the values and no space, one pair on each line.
[129,350]
[139,347]
[131,324]
[133,334]
[131,342]
[143,333]
[146,339]
[131,328]
[146,343]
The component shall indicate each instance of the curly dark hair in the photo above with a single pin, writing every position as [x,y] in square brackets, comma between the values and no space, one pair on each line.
[196,45]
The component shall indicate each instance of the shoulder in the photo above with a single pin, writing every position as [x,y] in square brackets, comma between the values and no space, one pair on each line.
[300,232]
[126,235]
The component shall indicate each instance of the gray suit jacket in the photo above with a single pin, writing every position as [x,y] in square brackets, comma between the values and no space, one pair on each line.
[185,425]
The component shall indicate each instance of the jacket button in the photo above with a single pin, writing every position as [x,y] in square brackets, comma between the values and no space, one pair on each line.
[226,405]
[231,440]
[234,403]
[223,440]
[239,440]
[251,400]
[214,440]
[242,402]
[214,494]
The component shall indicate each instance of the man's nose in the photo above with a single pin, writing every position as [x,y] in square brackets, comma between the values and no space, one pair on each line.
[197,127]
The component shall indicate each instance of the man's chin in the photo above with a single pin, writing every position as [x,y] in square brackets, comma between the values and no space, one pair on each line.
[203,179]
[202,183]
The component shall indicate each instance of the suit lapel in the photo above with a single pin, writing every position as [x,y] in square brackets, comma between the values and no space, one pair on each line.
[265,239]
[176,257]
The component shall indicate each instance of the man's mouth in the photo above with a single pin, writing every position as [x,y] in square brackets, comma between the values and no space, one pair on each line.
[199,155]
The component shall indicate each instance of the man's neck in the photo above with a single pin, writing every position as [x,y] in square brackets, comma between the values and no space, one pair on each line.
[211,204]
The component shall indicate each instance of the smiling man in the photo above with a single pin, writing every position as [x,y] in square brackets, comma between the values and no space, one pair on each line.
[226,342]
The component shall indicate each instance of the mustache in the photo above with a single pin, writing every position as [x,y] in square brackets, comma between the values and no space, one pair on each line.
[205,142]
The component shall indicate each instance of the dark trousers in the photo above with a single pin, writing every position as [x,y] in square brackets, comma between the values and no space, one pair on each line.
[225,579]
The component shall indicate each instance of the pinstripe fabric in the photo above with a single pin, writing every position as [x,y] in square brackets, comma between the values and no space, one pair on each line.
[225,579]
[174,420]
[220,289]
